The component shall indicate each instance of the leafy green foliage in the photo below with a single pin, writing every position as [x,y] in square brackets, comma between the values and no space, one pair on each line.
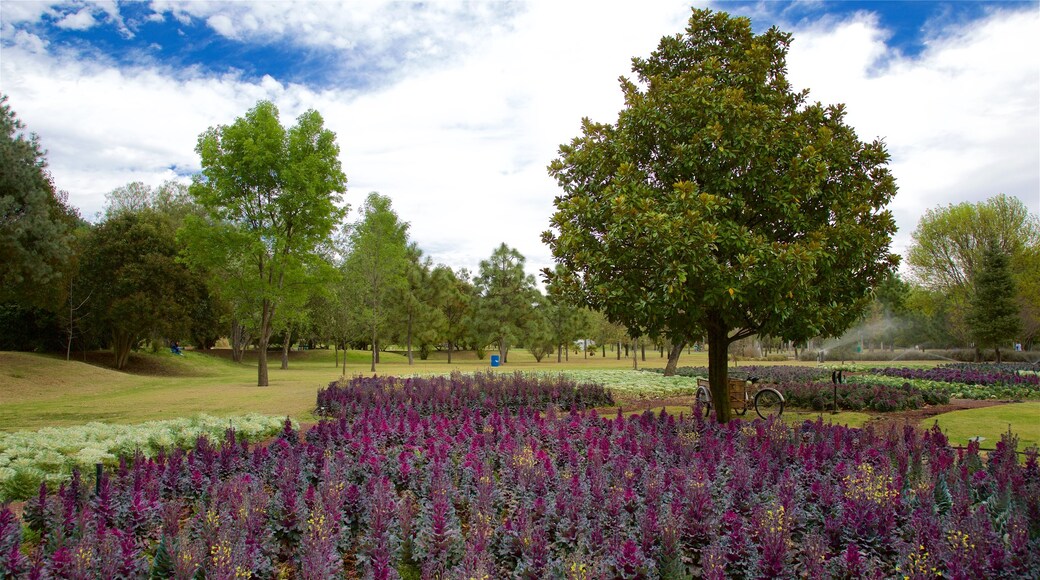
[271,200]
[137,287]
[994,316]
[721,201]
[506,296]
[376,269]
[35,221]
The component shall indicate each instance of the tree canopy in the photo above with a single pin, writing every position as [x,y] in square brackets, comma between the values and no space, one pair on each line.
[272,199]
[506,295]
[721,202]
[949,242]
[376,268]
[137,287]
[993,315]
[35,221]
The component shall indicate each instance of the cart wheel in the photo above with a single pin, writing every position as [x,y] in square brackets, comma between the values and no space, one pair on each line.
[704,400]
[768,403]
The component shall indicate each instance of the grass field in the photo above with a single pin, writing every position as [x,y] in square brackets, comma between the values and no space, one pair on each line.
[992,422]
[46,391]
[42,391]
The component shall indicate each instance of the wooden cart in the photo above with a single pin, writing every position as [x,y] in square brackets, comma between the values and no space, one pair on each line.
[743,395]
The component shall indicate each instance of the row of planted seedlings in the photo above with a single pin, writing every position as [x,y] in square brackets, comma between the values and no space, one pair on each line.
[418,478]
[814,388]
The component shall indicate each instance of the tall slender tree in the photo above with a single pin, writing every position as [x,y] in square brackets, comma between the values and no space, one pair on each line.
[376,268]
[506,296]
[273,195]
[36,223]
[994,316]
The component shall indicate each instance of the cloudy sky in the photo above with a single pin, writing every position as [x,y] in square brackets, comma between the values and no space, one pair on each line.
[455,108]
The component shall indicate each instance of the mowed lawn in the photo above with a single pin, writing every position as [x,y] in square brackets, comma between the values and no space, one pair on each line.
[990,423]
[42,390]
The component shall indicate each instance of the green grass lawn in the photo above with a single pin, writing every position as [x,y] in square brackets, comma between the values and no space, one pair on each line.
[42,390]
[991,422]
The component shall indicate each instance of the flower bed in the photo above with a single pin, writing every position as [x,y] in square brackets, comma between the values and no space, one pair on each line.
[477,391]
[29,457]
[470,490]
[854,396]
[969,374]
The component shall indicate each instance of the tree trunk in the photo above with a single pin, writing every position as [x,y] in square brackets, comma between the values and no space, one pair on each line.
[673,359]
[449,352]
[585,349]
[344,360]
[996,349]
[375,349]
[266,316]
[559,352]
[619,351]
[121,344]
[642,350]
[236,341]
[604,351]
[335,348]
[718,372]
[626,350]
[635,358]
[287,343]
[411,359]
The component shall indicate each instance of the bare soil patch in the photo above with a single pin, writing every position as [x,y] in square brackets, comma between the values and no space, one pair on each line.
[917,417]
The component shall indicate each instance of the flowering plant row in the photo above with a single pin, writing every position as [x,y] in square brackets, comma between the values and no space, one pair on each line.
[952,390]
[968,375]
[50,454]
[482,390]
[392,489]
[631,384]
[767,373]
[852,396]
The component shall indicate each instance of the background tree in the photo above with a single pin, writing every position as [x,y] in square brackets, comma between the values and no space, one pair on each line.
[36,222]
[455,301]
[376,269]
[418,303]
[276,192]
[994,316]
[948,246]
[506,296]
[1027,282]
[567,323]
[721,201]
[539,335]
[138,289]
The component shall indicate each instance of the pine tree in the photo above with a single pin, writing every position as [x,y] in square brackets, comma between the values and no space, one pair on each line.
[993,316]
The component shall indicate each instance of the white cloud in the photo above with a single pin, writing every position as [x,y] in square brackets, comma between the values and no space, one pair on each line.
[82,20]
[461,140]
[961,120]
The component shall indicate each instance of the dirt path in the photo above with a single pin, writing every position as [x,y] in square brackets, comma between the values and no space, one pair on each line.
[917,417]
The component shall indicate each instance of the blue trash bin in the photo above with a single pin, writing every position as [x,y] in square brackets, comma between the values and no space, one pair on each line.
[494,360]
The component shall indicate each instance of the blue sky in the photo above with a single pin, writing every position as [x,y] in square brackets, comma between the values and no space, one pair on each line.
[454,109]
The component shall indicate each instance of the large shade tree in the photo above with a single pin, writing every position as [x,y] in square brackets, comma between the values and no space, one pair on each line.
[272,199]
[138,289]
[722,202]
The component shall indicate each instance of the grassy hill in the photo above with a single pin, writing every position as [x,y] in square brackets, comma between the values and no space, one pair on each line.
[43,390]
